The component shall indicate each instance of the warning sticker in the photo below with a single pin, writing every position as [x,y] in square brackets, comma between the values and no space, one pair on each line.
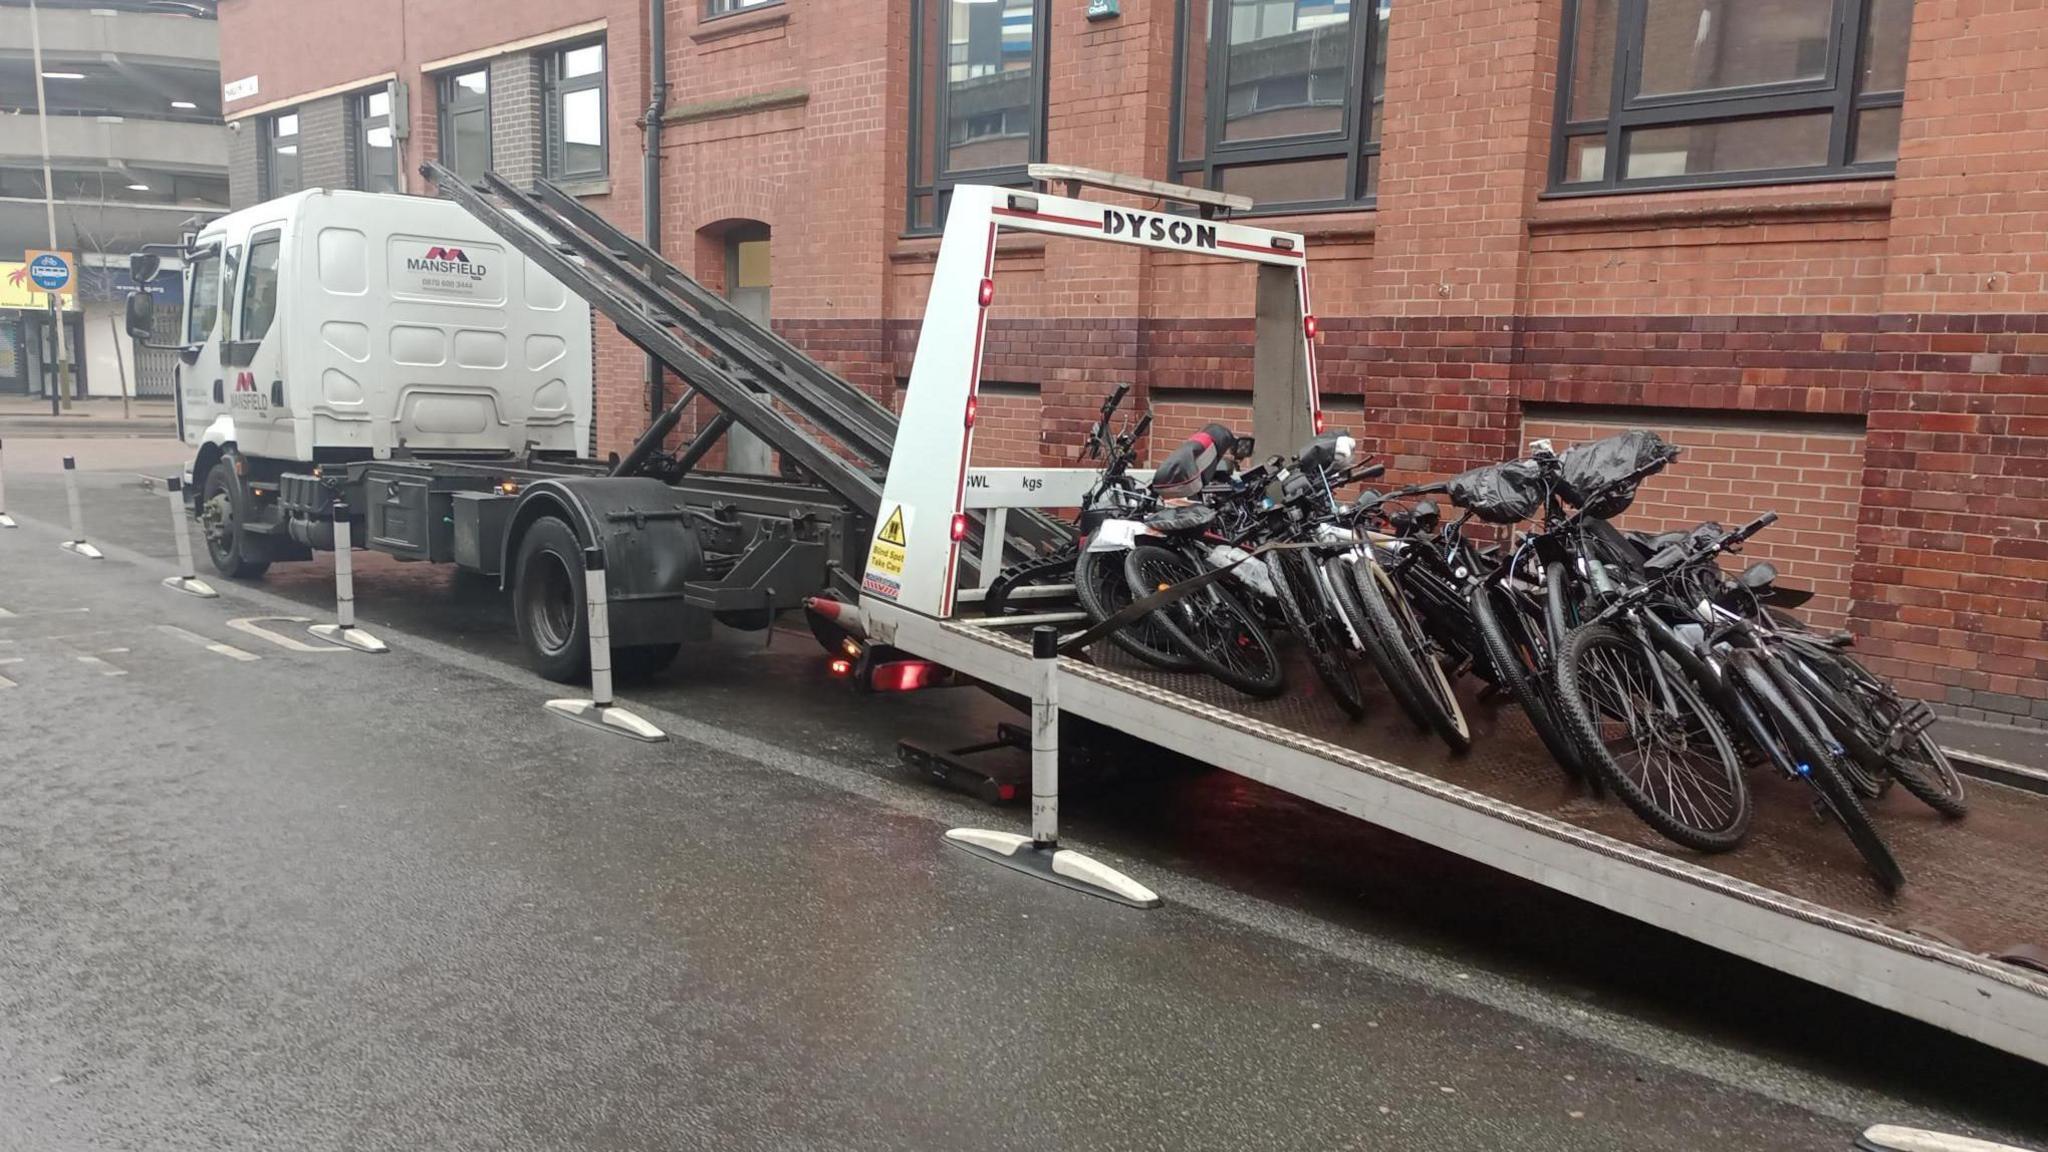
[881,586]
[892,545]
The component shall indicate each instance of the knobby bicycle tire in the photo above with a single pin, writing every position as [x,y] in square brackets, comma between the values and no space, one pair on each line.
[1330,659]
[1817,766]
[1517,677]
[1243,654]
[1100,586]
[1576,679]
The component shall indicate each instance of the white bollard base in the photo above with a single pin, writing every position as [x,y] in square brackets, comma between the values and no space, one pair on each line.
[1062,866]
[6,521]
[1893,1138]
[608,718]
[191,586]
[354,638]
[81,548]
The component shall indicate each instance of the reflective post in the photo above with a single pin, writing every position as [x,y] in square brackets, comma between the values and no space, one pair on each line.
[77,542]
[344,630]
[1040,854]
[6,521]
[187,581]
[600,711]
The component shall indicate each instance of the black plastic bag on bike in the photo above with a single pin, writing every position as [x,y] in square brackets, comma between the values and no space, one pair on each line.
[1506,493]
[1589,467]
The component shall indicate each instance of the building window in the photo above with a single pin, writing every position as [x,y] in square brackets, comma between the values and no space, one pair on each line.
[1281,100]
[978,95]
[376,153]
[466,124]
[1683,93]
[728,7]
[281,155]
[575,113]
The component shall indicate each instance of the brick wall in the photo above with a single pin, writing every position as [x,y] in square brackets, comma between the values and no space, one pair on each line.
[1858,353]
[245,163]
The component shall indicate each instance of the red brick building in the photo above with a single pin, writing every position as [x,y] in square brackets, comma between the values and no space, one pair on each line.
[1806,239]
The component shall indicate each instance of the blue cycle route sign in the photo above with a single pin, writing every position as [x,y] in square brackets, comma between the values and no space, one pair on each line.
[50,272]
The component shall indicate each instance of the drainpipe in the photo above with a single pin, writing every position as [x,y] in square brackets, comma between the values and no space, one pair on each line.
[650,163]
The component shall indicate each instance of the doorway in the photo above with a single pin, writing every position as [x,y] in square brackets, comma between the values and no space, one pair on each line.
[748,281]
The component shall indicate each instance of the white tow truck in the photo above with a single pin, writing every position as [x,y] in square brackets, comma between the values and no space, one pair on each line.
[896,528]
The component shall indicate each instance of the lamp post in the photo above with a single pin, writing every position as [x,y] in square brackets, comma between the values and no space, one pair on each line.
[35,34]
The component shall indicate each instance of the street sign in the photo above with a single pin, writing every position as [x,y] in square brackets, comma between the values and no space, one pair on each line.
[17,290]
[51,272]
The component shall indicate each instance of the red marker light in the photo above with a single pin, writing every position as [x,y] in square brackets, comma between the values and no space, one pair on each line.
[1309,326]
[901,676]
[973,407]
[1319,422]
[959,527]
[988,292]
[841,667]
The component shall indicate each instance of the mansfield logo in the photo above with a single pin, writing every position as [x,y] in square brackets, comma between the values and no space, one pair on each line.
[446,262]
[1142,226]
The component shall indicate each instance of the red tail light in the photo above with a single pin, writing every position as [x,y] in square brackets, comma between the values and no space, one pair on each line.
[1309,326]
[901,676]
[1319,422]
[973,409]
[842,667]
[960,526]
[988,292]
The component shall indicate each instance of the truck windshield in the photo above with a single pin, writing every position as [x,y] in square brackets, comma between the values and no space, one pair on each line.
[205,307]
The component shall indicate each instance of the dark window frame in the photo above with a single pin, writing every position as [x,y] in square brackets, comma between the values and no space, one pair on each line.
[271,139]
[364,122]
[940,187]
[1358,153]
[554,89]
[453,100]
[1838,92]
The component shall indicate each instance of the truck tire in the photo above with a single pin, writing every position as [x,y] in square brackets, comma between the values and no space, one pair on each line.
[549,610]
[223,507]
[547,601]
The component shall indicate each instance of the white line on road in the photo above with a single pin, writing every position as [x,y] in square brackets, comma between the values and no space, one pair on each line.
[6,683]
[5,614]
[253,625]
[106,669]
[227,650]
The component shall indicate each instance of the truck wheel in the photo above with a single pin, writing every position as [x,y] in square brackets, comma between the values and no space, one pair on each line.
[547,600]
[223,507]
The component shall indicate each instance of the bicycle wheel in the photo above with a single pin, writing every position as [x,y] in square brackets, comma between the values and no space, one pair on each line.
[1846,718]
[1653,739]
[1410,653]
[1406,692]
[1100,586]
[1514,663]
[1918,763]
[1818,767]
[1212,626]
[1296,587]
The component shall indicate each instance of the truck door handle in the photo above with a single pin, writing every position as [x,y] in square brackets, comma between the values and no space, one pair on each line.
[277,393]
[217,388]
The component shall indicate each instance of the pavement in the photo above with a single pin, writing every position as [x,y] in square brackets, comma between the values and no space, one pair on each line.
[263,896]
[88,416]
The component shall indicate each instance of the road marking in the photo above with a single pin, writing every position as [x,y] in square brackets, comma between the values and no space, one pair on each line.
[227,650]
[106,668]
[6,683]
[253,625]
[5,614]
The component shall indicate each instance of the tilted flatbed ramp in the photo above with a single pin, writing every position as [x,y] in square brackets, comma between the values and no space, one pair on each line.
[1795,897]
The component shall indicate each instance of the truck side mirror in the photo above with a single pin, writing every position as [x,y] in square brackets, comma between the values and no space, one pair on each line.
[143,267]
[141,314]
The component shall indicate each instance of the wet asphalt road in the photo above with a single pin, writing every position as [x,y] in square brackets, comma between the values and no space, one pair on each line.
[322,900]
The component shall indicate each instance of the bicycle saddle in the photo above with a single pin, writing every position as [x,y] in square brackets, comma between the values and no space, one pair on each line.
[1654,542]
[1186,520]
